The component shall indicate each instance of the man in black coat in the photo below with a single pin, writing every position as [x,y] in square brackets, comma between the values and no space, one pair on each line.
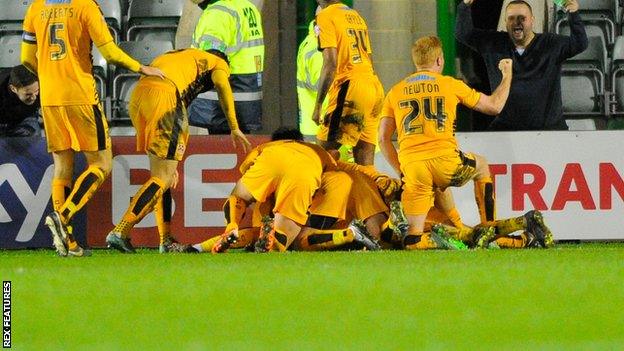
[535,97]
[19,103]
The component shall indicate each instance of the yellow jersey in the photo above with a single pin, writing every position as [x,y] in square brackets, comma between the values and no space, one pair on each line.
[343,28]
[64,31]
[423,107]
[189,70]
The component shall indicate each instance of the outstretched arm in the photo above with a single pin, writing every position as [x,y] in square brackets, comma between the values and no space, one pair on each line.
[494,104]
[226,99]
[577,41]
[464,29]
[325,81]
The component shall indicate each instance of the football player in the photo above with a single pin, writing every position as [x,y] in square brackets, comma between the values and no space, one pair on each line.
[57,38]
[347,75]
[421,108]
[158,113]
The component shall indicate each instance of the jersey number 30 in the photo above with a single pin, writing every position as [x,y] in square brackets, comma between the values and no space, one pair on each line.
[416,107]
[57,42]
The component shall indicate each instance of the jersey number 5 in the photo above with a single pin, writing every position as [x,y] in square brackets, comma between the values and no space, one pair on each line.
[414,106]
[55,40]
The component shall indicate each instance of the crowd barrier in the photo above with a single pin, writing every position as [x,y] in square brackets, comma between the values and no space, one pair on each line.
[575,178]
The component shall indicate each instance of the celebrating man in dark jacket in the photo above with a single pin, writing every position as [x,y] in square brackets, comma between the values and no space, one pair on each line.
[535,98]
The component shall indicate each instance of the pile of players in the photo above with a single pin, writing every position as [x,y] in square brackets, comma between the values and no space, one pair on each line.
[302,197]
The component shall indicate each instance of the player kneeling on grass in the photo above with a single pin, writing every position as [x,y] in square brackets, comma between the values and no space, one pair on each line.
[422,109]
[158,113]
[332,196]
[290,171]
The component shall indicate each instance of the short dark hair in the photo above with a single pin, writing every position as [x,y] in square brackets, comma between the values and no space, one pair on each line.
[21,76]
[287,133]
[219,54]
[520,2]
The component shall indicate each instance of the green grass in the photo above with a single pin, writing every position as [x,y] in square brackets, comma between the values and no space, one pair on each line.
[571,297]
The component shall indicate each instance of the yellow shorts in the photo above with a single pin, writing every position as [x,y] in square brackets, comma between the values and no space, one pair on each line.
[331,199]
[353,111]
[353,197]
[365,200]
[422,176]
[160,120]
[292,177]
[76,127]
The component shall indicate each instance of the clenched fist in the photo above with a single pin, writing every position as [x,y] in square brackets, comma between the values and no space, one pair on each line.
[505,66]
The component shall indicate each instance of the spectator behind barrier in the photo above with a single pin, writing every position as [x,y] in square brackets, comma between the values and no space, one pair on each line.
[535,98]
[19,103]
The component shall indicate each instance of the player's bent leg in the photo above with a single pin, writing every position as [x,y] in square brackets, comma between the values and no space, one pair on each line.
[416,239]
[375,224]
[444,202]
[524,240]
[484,190]
[142,203]
[162,212]
[284,232]
[236,205]
[364,153]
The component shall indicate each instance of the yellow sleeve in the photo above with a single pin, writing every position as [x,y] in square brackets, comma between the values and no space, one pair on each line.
[113,54]
[28,56]
[466,95]
[387,108]
[327,31]
[96,24]
[226,98]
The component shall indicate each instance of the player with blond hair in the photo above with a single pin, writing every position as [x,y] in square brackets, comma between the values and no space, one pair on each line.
[422,109]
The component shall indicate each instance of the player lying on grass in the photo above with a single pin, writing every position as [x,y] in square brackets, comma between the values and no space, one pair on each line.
[535,232]
[158,113]
[422,109]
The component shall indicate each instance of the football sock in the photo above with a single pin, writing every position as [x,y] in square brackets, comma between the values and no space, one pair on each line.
[484,195]
[387,235]
[455,218]
[509,225]
[511,242]
[142,203]
[462,233]
[61,189]
[162,211]
[420,241]
[234,210]
[281,241]
[207,245]
[84,189]
[246,236]
[325,239]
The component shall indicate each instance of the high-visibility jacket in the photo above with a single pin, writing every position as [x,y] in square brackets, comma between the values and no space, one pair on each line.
[235,28]
[309,64]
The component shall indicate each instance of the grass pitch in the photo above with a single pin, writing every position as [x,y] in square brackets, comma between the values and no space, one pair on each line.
[571,297]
